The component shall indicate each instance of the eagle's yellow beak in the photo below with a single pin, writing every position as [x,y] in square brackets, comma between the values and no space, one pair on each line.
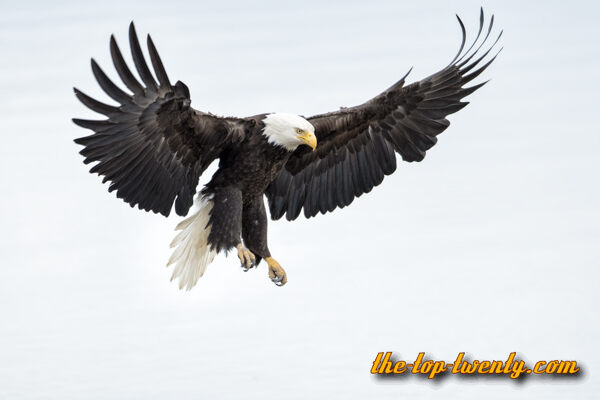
[309,139]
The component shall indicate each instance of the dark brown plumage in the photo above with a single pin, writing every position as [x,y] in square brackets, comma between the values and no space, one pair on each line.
[154,146]
[357,144]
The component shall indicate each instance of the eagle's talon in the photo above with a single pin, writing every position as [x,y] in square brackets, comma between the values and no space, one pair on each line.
[276,272]
[247,258]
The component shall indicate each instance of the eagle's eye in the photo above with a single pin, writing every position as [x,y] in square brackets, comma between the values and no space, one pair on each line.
[298,130]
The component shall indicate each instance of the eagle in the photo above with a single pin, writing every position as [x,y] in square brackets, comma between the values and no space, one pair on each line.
[153,147]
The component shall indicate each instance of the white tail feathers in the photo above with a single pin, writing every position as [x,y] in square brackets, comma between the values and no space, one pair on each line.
[193,253]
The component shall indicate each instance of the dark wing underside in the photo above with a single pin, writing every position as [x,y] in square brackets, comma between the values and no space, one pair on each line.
[153,146]
[357,145]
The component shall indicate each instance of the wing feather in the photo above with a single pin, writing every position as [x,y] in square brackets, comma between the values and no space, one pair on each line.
[139,60]
[161,74]
[122,69]
[108,86]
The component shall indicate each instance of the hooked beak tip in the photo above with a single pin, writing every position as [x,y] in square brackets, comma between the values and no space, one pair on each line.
[309,139]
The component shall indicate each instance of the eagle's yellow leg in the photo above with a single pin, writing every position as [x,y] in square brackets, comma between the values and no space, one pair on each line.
[276,273]
[246,257]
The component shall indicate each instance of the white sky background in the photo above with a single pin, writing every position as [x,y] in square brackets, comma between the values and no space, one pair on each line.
[488,246]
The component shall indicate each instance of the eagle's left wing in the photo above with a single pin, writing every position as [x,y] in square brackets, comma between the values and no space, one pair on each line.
[152,147]
[356,146]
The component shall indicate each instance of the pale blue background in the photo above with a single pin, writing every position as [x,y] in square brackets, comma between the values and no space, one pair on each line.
[489,246]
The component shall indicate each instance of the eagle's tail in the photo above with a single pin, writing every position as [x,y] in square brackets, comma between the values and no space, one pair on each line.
[193,252]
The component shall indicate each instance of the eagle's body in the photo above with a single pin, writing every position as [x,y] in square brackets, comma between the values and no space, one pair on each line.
[153,148]
[232,206]
[252,165]
[237,188]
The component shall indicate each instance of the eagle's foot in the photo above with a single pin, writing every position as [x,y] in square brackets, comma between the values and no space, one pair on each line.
[276,273]
[246,257]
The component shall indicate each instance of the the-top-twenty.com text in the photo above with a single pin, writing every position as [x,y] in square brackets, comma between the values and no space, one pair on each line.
[384,364]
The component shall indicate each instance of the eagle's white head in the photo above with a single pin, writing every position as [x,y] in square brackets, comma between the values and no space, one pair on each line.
[289,131]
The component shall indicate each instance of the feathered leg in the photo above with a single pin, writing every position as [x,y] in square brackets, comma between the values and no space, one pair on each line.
[225,219]
[254,233]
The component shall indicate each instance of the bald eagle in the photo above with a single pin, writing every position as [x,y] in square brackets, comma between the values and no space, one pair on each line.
[153,147]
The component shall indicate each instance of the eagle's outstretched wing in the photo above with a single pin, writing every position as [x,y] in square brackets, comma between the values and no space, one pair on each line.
[356,146]
[153,147]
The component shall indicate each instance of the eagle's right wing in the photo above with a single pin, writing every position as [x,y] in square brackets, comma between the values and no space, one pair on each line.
[153,147]
[357,145]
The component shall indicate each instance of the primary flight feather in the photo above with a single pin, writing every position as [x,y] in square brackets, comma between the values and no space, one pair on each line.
[153,147]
